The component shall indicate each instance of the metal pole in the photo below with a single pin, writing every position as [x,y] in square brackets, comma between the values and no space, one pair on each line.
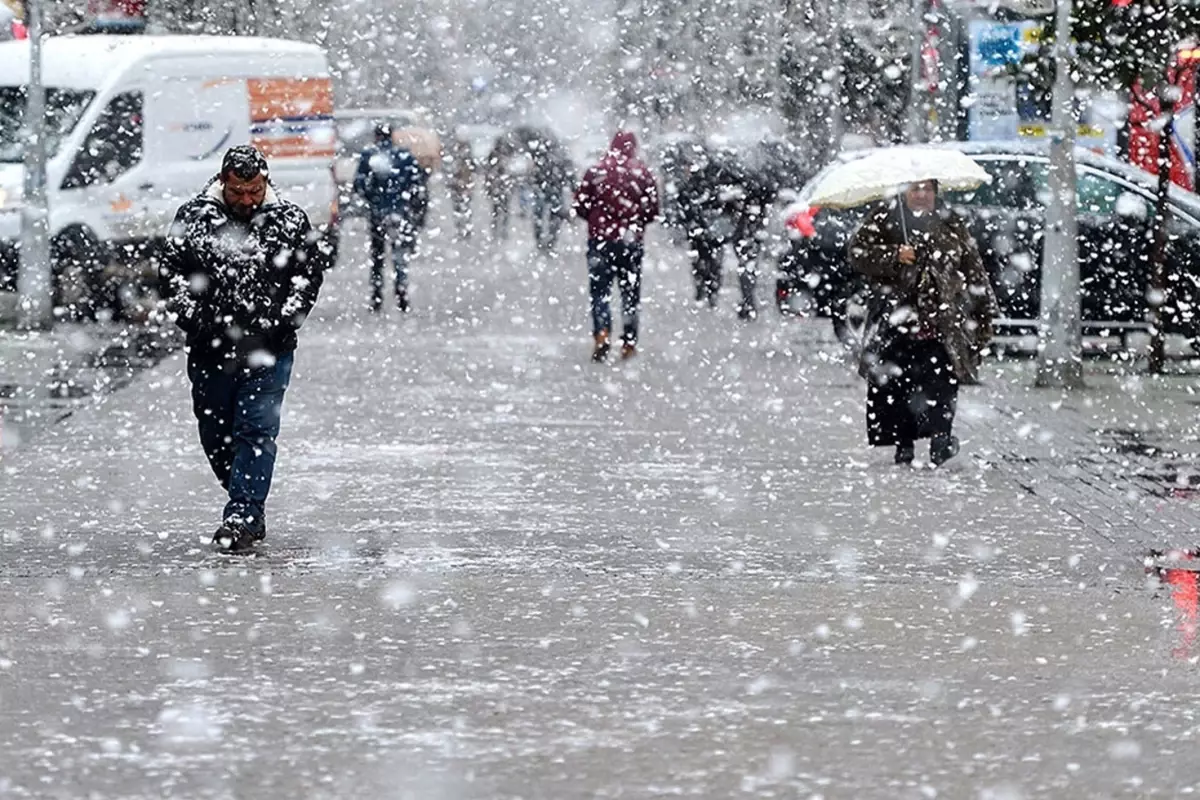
[916,100]
[1061,347]
[34,277]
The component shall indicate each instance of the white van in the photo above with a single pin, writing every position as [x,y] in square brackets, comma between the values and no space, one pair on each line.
[138,124]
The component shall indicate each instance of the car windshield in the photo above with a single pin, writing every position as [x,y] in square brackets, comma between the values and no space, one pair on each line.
[64,107]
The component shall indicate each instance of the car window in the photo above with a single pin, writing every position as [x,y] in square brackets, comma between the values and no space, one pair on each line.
[1097,194]
[112,147]
[1015,184]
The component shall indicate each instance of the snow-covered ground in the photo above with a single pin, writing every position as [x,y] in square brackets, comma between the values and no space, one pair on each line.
[495,569]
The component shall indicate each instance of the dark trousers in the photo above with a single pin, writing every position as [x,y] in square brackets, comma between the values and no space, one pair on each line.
[238,409]
[403,240]
[500,215]
[461,198]
[547,219]
[912,393]
[620,261]
[747,251]
[706,267]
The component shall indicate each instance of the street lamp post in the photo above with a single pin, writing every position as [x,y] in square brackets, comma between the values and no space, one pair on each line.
[34,278]
[1060,363]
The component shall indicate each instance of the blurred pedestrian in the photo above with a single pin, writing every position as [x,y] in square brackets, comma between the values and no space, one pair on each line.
[619,198]
[459,167]
[242,268]
[499,184]
[708,194]
[396,189]
[930,318]
[751,212]
[553,176]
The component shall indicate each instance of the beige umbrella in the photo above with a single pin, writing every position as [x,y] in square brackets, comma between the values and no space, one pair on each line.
[422,143]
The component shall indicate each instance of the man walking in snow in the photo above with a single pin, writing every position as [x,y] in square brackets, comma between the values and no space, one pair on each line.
[242,269]
[618,198]
[396,189]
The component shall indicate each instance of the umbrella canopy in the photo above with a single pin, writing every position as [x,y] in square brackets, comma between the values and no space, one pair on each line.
[883,173]
[423,143]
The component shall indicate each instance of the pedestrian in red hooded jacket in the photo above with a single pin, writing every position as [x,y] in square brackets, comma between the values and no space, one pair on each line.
[618,198]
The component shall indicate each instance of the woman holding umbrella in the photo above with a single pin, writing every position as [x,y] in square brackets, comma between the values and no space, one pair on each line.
[931,316]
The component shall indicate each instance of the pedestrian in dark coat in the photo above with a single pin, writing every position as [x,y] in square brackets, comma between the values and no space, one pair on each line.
[750,215]
[499,184]
[396,189]
[242,269]
[553,176]
[619,198]
[459,167]
[930,319]
[708,195]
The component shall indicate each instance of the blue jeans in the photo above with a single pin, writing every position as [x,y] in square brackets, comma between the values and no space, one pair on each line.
[238,409]
[621,261]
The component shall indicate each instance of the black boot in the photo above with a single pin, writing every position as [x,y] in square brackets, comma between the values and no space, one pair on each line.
[236,536]
[942,448]
[905,453]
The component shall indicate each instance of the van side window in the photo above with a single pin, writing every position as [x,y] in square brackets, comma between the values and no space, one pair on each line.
[113,146]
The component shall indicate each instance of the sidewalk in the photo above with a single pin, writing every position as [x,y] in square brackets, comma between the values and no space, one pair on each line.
[45,376]
[497,570]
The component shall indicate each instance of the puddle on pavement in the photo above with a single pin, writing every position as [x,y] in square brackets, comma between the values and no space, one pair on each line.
[1169,473]
[1178,572]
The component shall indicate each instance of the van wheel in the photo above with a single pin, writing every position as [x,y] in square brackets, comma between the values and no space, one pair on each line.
[77,265]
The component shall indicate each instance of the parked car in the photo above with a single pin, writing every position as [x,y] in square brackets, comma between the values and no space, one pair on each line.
[355,133]
[135,127]
[1116,205]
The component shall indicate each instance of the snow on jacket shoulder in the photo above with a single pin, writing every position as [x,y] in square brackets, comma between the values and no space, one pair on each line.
[618,196]
[241,285]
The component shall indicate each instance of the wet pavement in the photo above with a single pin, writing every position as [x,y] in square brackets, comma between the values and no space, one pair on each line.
[497,570]
[45,376]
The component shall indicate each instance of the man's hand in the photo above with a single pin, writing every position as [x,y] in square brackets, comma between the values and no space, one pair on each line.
[907,255]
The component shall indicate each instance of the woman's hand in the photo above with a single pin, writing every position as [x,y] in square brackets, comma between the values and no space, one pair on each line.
[907,255]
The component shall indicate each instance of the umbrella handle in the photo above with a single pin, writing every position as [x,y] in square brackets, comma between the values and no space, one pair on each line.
[903,223]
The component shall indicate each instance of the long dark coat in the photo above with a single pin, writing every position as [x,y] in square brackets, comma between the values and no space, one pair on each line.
[946,295]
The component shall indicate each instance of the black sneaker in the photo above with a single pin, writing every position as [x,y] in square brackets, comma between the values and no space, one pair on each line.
[234,537]
[942,448]
[905,453]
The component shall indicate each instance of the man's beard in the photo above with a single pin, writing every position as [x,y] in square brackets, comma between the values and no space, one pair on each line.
[243,213]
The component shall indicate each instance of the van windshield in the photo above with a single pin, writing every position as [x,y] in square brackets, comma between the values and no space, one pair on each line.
[64,107]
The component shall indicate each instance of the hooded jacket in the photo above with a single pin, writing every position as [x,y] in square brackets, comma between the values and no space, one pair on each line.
[618,197]
[236,286]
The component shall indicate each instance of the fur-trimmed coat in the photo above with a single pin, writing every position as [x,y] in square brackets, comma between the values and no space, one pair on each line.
[235,286]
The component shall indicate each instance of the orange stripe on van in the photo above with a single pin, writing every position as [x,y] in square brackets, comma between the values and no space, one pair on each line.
[292,147]
[289,98]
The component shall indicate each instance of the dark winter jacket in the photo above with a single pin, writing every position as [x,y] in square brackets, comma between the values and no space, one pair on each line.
[945,294]
[552,173]
[238,286]
[618,196]
[710,196]
[393,184]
